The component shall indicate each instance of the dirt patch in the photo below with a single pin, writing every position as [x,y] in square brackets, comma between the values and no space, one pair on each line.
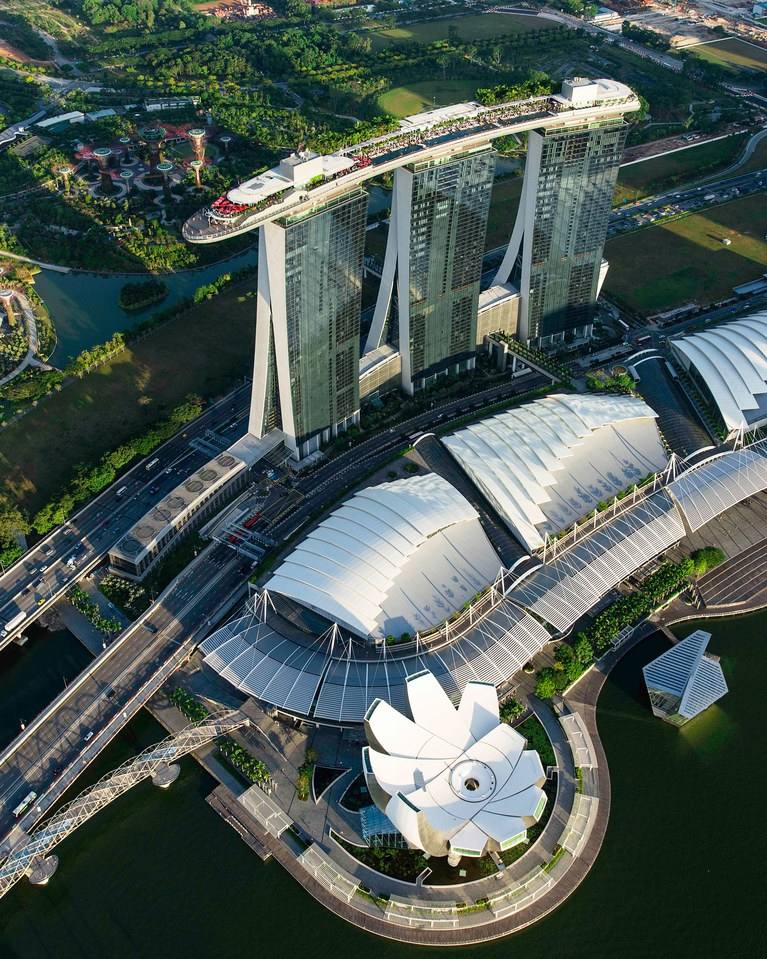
[11,53]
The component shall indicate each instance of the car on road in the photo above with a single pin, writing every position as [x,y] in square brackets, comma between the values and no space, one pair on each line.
[88,736]
[151,627]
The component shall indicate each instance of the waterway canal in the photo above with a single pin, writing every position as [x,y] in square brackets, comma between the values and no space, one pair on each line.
[680,874]
[85,308]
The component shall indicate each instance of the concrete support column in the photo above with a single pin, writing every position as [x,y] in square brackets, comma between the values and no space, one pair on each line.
[522,234]
[42,870]
[166,775]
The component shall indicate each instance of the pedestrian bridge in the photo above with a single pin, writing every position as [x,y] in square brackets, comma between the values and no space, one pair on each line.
[156,763]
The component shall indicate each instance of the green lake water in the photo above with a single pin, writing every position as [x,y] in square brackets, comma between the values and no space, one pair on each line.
[680,873]
[85,307]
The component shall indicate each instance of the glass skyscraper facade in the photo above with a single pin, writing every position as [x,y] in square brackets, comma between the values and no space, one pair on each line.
[442,222]
[568,210]
[307,363]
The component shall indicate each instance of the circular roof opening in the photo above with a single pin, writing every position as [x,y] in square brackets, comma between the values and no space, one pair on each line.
[208,475]
[472,780]
[194,485]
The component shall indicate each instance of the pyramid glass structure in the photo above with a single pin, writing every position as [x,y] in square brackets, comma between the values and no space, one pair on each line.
[684,680]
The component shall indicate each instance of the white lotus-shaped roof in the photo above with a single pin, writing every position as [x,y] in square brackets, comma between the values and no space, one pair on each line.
[453,781]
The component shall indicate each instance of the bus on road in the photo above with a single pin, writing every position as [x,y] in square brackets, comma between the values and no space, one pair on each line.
[25,803]
[12,623]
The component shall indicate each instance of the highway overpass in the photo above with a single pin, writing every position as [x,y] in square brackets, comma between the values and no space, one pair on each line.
[42,575]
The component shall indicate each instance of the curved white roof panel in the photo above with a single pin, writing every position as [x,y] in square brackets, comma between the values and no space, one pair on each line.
[548,463]
[564,589]
[310,676]
[720,482]
[452,781]
[731,360]
[395,558]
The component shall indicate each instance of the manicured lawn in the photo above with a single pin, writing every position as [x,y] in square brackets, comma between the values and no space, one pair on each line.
[478,27]
[661,173]
[661,267]
[203,351]
[733,53]
[416,97]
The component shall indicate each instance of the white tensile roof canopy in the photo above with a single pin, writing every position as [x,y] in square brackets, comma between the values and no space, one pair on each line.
[548,463]
[731,361]
[454,782]
[395,558]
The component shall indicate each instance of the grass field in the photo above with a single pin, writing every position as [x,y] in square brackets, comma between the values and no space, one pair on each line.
[733,53]
[203,351]
[661,267]
[472,27]
[663,172]
[405,101]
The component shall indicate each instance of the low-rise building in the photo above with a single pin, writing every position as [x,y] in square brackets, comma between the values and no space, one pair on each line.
[395,559]
[685,680]
[547,464]
[61,120]
[186,506]
[155,104]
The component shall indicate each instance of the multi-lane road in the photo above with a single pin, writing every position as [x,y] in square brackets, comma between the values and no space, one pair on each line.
[57,561]
[655,209]
[49,754]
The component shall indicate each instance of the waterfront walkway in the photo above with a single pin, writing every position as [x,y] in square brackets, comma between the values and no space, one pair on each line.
[736,587]
[460,914]
[30,324]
